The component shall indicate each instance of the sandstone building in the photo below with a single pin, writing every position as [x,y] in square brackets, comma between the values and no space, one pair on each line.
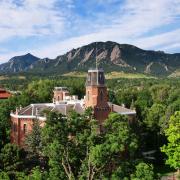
[96,97]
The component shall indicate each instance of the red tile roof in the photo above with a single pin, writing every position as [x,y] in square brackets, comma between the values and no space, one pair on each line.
[4,94]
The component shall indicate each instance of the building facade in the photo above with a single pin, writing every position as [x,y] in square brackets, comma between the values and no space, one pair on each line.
[96,97]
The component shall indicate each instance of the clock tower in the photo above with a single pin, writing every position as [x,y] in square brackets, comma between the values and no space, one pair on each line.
[97,95]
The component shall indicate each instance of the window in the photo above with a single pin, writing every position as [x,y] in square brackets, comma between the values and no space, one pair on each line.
[25,128]
[101,78]
[101,95]
[89,77]
[15,127]
[88,95]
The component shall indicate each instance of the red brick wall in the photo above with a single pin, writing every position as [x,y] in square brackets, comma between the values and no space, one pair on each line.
[99,104]
[14,131]
[101,114]
[17,129]
[95,96]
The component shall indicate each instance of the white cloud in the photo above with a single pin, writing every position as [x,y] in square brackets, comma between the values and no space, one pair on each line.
[132,23]
[134,20]
[30,18]
[161,40]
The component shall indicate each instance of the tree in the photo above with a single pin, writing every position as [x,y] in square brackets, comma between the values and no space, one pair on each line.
[3,135]
[77,150]
[160,93]
[172,149]
[67,139]
[170,110]
[126,96]
[116,150]
[154,115]
[143,102]
[143,172]
[33,139]
[4,176]
[11,158]
[37,174]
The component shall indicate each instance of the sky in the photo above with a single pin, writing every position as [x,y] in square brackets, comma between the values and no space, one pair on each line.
[48,28]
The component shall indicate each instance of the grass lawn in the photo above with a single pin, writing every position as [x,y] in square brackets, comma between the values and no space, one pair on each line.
[111,75]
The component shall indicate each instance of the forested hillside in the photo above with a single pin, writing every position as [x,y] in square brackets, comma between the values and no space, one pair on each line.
[111,56]
[122,152]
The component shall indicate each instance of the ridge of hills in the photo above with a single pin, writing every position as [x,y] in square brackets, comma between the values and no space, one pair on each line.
[111,56]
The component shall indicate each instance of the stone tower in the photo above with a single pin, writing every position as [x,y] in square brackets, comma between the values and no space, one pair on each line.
[97,95]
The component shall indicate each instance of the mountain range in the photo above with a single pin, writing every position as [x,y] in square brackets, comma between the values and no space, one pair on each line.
[111,56]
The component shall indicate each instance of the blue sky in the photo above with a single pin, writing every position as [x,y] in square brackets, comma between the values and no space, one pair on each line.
[48,28]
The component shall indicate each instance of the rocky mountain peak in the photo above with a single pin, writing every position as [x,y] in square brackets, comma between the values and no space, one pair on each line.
[110,55]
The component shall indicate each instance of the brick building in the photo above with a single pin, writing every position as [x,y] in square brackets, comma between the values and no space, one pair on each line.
[96,97]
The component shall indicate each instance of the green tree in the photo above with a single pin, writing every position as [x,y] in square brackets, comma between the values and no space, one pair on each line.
[160,93]
[11,158]
[143,102]
[126,96]
[154,115]
[172,149]
[143,172]
[4,176]
[170,110]
[77,150]
[38,174]
[116,150]
[64,150]
[33,139]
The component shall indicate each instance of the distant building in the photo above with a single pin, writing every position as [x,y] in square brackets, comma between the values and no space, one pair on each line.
[4,94]
[96,97]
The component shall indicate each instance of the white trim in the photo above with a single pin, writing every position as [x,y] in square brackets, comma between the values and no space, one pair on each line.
[26,109]
[126,113]
[96,70]
[28,117]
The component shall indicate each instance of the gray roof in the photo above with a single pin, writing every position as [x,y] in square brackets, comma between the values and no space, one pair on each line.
[122,110]
[38,109]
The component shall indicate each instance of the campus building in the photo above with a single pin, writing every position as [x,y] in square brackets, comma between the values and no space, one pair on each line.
[96,97]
